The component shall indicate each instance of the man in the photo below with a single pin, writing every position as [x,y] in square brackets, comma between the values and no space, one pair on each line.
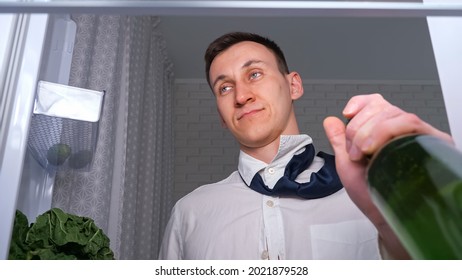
[260,211]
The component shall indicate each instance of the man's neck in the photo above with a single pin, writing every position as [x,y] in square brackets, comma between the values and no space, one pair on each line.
[265,153]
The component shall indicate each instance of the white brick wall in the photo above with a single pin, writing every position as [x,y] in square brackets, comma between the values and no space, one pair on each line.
[205,152]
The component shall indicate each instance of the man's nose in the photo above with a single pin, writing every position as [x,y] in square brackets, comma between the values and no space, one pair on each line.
[244,94]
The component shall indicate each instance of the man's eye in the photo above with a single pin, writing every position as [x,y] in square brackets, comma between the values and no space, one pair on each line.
[225,89]
[255,75]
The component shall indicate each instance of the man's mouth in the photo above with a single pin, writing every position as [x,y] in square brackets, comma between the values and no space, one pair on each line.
[248,112]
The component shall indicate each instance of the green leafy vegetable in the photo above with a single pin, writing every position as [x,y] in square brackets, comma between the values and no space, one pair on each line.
[58,235]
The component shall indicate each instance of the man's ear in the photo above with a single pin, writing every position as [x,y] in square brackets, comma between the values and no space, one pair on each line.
[296,85]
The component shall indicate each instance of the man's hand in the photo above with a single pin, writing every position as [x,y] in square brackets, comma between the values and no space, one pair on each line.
[373,122]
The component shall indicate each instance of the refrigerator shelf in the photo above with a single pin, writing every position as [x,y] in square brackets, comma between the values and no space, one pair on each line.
[60,143]
[64,126]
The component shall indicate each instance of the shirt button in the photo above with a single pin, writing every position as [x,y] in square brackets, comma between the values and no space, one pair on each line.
[264,255]
[271,170]
[270,203]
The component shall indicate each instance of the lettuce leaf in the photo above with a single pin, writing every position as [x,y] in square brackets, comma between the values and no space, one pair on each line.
[58,235]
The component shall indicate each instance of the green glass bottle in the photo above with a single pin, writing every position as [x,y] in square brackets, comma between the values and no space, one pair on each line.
[416,182]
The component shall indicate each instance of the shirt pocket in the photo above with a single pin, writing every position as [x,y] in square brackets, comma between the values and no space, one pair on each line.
[351,240]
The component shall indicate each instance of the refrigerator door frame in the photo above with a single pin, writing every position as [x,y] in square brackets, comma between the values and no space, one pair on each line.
[21,74]
[232,8]
[20,84]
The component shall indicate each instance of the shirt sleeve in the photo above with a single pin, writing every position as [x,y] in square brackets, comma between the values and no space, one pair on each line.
[172,243]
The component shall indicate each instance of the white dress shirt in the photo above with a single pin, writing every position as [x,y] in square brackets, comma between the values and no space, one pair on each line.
[228,220]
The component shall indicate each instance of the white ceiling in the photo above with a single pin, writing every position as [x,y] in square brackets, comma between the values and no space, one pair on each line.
[358,48]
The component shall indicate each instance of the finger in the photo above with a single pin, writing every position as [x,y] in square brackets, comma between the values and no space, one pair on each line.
[359,110]
[366,134]
[358,102]
[335,132]
[378,131]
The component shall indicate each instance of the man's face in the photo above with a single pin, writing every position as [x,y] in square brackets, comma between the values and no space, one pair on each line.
[254,98]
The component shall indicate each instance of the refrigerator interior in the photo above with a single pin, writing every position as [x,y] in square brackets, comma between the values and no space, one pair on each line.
[34,194]
[54,118]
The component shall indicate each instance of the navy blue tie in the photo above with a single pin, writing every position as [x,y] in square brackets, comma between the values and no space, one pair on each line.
[322,183]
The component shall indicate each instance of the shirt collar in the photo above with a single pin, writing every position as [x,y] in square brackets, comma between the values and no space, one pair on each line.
[289,145]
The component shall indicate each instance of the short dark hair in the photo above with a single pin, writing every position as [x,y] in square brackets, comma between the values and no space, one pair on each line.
[225,41]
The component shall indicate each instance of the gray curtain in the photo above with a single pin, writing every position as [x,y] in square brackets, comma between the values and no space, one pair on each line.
[128,190]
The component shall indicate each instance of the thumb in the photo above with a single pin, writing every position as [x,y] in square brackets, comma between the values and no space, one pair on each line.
[335,131]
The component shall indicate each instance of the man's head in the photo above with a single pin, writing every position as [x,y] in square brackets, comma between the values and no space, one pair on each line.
[225,41]
[254,90]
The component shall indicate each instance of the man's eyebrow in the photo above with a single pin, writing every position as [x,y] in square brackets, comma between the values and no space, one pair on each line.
[245,65]
[250,62]
[219,78]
